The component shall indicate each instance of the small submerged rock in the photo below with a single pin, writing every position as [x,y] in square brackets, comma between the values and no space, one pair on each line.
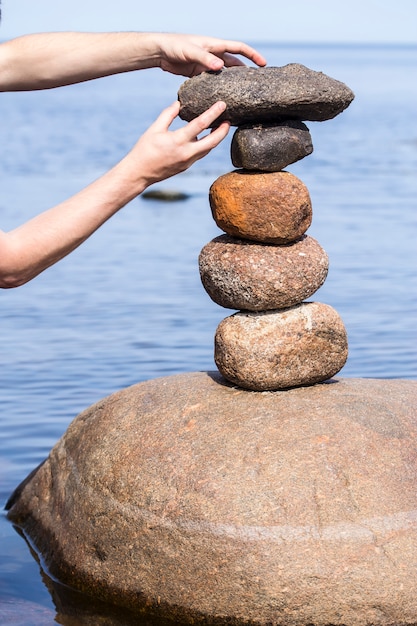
[165,195]
[265,94]
[239,274]
[272,207]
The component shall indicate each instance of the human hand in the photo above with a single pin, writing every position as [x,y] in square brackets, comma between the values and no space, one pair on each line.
[189,55]
[161,153]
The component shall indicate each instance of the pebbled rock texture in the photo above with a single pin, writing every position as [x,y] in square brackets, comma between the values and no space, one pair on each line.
[187,498]
[272,207]
[265,94]
[239,274]
[270,147]
[302,345]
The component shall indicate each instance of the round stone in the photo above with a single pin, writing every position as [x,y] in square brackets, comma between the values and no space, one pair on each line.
[240,274]
[265,94]
[302,345]
[270,148]
[188,498]
[270,207]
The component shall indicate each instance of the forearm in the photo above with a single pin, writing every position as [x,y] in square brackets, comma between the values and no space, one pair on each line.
[160,153]
[42,241]
[47,60]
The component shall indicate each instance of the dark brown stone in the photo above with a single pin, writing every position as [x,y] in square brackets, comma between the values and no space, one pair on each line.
[270,148]
[265,94]
[240,274]
[303,345]
[273,207]
[184,496]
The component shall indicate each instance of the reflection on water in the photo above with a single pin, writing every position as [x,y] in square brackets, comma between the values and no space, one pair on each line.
[129,306]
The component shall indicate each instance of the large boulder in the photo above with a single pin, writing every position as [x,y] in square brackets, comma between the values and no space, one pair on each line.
[189,498]
[265,94]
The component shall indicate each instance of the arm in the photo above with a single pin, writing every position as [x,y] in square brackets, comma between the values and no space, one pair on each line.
[47,60]
[159,154]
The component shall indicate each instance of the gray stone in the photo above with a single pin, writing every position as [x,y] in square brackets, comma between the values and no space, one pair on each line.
[302,345]
[270,148]
[165,195]
[265,94]
[187,497]
[239,274]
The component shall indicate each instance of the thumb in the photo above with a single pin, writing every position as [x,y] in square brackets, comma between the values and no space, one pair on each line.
[213,62]
[166,117]
[206,59]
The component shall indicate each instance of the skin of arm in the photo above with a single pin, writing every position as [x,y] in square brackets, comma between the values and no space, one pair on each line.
[159,154]
[48,60]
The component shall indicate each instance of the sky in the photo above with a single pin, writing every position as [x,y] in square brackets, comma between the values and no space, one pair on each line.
[297,21]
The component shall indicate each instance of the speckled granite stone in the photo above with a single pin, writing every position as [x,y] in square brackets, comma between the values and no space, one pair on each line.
[189,498]
[239,274]
[302,345]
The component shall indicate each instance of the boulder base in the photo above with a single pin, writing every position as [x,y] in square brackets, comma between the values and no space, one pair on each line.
[186,497]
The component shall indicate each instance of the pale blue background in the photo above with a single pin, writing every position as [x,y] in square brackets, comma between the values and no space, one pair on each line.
[353,21]
[128,305]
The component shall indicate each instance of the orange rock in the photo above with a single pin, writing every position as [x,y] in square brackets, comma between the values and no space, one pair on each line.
[270,207]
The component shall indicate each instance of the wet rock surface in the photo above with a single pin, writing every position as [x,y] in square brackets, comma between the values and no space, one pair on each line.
[190,498]
[267,207]
[239,274]
[265,94]
[276,350]
[270,148]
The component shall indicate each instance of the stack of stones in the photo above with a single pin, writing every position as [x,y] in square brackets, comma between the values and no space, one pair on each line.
[265,266]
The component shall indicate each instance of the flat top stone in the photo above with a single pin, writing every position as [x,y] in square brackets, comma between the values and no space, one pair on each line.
[265,94]
[202,501]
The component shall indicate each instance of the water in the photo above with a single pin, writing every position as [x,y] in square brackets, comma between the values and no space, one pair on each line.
[128,305]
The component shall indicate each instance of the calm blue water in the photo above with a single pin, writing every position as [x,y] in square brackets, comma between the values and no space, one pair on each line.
[128,305]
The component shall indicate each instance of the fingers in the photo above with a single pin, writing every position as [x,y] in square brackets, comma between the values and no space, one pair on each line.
[218,53]
[203,121]
[230,60]
[227,50]
[237,47]
[192,129]
[211,61]
[168,115]
[207,143]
